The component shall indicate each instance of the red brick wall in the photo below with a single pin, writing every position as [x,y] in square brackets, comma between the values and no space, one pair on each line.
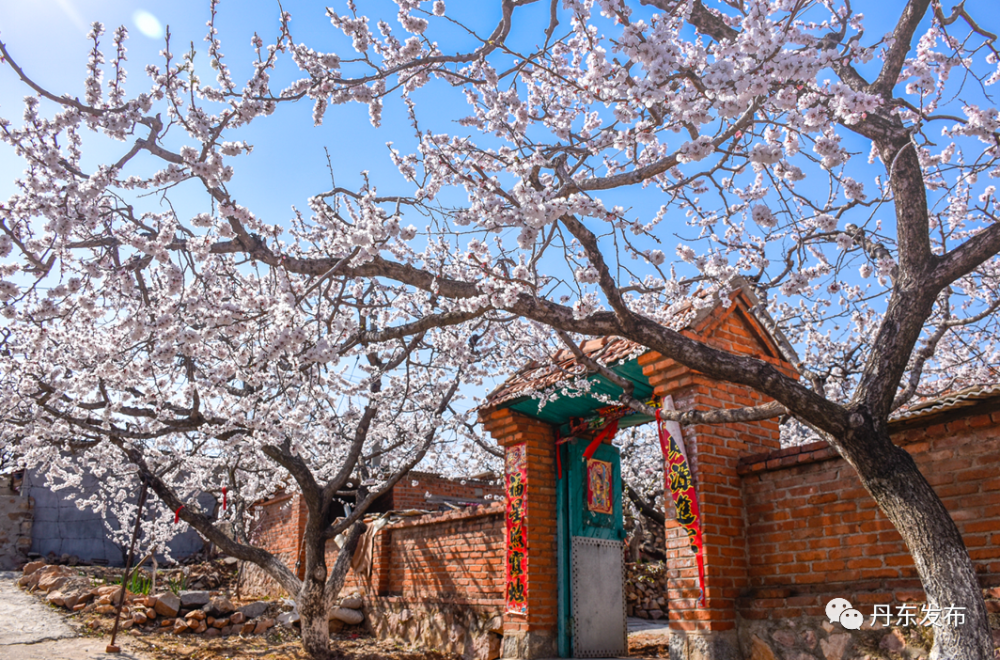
[714,451]
[814,533]
[457,555]
[407,496]
[279,527]
[451,556]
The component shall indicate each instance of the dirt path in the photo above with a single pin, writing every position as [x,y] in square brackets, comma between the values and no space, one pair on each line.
[31,630]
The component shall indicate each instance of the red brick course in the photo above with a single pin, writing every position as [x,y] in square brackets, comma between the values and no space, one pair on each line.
[449,557]
[714,451]
[281,524]
[814,533]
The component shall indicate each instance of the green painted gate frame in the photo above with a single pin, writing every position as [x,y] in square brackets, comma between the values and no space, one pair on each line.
[573,519]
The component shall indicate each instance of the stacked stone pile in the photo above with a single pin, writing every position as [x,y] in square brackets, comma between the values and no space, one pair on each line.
[646,590]
[199,612]
[347,614]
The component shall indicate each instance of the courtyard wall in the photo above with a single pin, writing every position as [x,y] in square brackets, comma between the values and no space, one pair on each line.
[435,579]
[814,534]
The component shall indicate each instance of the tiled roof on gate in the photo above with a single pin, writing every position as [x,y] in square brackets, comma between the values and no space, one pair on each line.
[948,401]
[563,365]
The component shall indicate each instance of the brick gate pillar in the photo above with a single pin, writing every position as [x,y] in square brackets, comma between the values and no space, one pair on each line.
[531,633]
[709,632]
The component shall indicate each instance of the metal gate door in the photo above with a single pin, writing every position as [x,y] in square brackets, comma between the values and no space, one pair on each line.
[591,553]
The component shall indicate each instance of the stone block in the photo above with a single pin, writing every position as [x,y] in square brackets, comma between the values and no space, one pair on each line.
[834,646]
[254,610]
[263,625]
[167,605]
[352,603]
[194,598]
[487,647]
[219,607]
[33,566]
[350,617]
[287,619]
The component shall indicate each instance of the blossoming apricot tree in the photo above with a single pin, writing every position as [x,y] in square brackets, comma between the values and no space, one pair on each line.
[844,173]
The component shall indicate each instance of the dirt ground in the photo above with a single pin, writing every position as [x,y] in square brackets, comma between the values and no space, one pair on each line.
[278,644]
[283,644]
[30,629]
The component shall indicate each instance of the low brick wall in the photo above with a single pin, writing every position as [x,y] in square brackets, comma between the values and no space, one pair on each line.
[278,529]
[814,533]
[435,580]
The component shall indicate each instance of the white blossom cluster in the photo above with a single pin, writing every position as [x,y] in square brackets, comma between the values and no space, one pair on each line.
[228,347]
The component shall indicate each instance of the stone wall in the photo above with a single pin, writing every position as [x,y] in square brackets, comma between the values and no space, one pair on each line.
[646,591]
[16,513]
[807,637]
[472,629]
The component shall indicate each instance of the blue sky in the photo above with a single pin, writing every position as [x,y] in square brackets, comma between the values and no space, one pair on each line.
[47,38]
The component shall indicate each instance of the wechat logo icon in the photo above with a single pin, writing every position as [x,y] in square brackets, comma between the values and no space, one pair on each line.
[840,610]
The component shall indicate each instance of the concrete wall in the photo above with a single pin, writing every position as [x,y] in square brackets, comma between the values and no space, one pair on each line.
[62,528]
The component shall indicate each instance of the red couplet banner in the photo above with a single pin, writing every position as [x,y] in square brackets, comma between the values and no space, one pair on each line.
[684,495]
[517,528]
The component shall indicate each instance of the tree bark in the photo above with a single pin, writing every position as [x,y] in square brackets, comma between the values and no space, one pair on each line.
[313,615]
[314,620]
[338,574]
[946,572]
[318,593]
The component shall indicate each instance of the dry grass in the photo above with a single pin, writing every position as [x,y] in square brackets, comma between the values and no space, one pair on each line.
[277,644]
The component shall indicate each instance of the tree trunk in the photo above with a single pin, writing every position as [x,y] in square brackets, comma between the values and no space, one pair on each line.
[946,572]
[314,619]
[338,574]
[313,614]
[316,598]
